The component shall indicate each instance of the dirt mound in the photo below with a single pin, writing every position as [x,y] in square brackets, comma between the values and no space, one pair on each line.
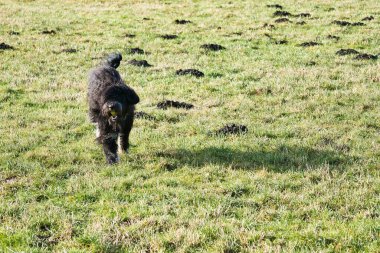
[303,15]
[341,23]
[358,24]
[311,63]
[270,26]
[280,42]
[213,47]
[169,36]
[135,50]
[309,44]
[193,72]
[139,63]
[144,115]
[366,57]
[170,103]
[346,51]
[181,21]
[282,20]
[281,14]
[4,46]
[268,35]
[41,198]
[69,50]
[277,6]
[231,129]
[333,37]
[52,32]
[369,18]
[346,23]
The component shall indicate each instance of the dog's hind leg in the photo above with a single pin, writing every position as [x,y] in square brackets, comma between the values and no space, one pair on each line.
[93,114]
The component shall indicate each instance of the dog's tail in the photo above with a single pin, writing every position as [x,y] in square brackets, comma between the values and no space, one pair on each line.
[113,60]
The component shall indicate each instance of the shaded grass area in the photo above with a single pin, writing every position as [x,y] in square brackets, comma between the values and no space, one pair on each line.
[305,177]
[278,160]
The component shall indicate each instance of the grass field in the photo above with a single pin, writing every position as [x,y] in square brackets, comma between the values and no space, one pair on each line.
[304,178]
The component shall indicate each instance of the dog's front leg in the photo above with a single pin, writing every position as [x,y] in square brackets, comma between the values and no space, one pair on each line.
[124,135]
[110,148]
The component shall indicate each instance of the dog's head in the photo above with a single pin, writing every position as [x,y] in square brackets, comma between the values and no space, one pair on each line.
[113,111]
[117,103]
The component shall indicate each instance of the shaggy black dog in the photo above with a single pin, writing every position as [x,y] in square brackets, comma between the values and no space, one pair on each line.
[111,107]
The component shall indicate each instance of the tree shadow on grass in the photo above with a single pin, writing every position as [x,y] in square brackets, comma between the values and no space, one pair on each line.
[281,159]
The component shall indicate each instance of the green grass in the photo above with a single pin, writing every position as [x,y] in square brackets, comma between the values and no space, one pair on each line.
[305,178]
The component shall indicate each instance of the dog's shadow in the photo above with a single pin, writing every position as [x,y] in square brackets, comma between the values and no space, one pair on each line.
[281,159]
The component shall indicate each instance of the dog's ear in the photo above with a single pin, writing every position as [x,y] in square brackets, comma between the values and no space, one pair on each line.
[132,97]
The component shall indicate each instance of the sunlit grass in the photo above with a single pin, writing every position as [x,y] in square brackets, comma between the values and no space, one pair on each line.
[304,178]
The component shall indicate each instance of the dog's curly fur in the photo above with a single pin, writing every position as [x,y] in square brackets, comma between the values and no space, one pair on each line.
[111,106]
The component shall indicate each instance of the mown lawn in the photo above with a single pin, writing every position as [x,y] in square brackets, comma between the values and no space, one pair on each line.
[304,178]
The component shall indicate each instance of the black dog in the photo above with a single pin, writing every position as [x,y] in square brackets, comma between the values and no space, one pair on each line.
[111,107]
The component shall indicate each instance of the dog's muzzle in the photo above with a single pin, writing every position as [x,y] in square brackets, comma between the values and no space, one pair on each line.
[114,115]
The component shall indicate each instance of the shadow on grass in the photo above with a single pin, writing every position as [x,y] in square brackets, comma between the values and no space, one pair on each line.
[9,94]
[281,159]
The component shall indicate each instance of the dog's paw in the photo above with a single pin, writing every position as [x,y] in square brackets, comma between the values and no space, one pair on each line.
[125,149]
[113,159]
